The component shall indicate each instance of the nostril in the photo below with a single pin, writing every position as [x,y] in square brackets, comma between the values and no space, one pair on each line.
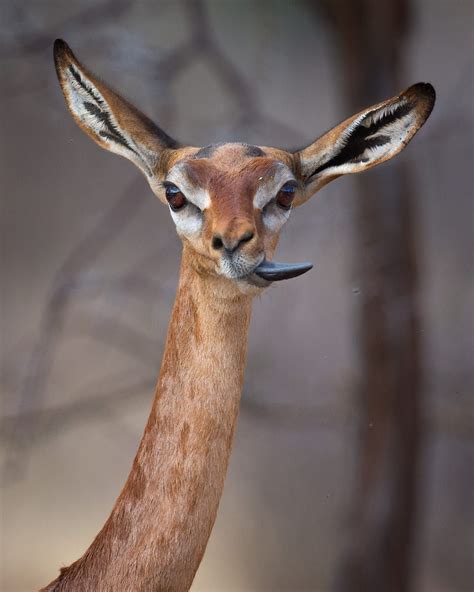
[229,244]
[246,237]
[217,242]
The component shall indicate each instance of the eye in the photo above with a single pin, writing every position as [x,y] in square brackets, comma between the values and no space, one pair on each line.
[286,195]
[175,197]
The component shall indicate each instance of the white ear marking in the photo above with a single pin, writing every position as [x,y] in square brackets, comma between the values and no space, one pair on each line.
[91,108]
[111,121]
[365,140]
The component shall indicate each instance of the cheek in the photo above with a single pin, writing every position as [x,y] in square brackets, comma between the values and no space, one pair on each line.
[271,241]
[273,222]
[193,229]
[269,236]
[188,224]
[274,219]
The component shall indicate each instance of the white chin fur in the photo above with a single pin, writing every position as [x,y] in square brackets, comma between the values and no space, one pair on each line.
[238,268]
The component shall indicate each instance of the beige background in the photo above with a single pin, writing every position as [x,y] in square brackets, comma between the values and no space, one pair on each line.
[283,515]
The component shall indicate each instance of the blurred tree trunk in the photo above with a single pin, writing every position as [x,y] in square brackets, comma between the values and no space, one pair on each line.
[379,552]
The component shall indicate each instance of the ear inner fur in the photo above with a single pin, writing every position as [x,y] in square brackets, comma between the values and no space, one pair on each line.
[108,118]
[367,139]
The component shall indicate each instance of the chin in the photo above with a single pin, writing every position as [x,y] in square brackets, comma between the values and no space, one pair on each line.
[251,285]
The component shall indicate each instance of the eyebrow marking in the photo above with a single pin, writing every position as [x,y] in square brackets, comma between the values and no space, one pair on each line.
[207,151]
[253,151]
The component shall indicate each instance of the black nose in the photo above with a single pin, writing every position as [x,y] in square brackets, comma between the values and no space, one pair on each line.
[231,244]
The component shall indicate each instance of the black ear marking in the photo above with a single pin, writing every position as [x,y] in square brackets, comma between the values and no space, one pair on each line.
[110,131]
[82,83]
[92,109]
[367,134]
[109,119]
[98,109]
[390,115]
[367,139]
[352,152]
[95,111]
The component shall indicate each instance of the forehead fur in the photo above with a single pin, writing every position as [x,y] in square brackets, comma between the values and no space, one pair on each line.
[236,155]
[228,156]
[242,166]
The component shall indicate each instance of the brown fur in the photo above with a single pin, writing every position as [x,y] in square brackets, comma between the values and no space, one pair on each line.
[159,527]
[232,182]
[157,532]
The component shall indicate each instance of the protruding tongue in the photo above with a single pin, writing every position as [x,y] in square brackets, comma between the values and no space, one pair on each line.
[274,272]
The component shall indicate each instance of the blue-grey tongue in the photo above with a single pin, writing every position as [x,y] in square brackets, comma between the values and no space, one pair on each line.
[273,272]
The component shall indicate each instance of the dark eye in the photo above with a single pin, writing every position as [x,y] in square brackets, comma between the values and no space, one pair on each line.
[286,195]
[174,196]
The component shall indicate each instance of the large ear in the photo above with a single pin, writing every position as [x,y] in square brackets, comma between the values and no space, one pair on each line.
[106,117]
[366,139]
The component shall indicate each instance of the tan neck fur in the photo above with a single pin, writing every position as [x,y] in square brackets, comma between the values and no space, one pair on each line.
[158,530]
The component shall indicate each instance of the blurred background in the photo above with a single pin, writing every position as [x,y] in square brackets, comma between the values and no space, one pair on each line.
[352,468]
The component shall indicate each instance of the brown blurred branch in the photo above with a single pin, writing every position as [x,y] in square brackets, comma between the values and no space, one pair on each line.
[202,44]
[67,283]
[33,41]
[94,402]
[379,553]
[36,41]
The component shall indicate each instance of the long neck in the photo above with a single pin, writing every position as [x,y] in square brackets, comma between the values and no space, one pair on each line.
[158,530]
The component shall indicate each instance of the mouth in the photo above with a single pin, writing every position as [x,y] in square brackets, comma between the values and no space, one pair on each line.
[265,272]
